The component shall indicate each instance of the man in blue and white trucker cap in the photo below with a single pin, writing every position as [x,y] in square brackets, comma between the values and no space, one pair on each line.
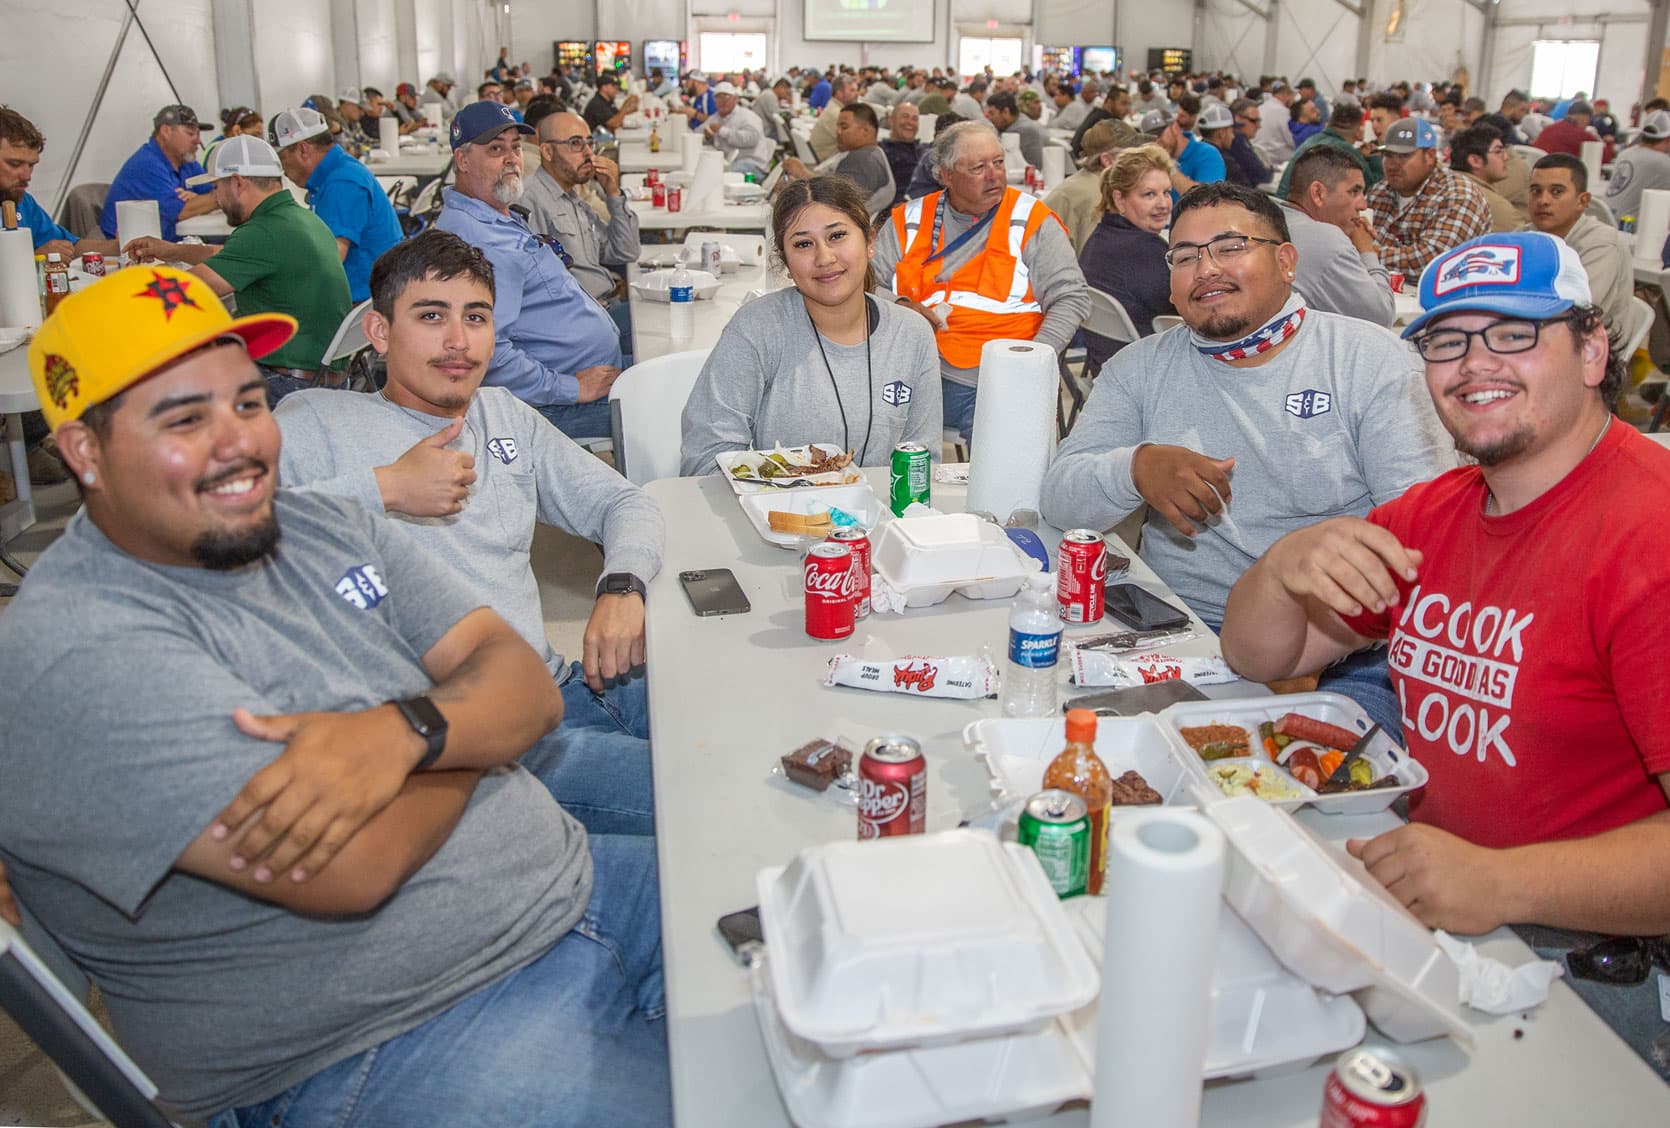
[1519,601]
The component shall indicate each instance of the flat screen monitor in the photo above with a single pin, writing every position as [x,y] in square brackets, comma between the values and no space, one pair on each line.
[1098,60]
[612,55]
[871,21]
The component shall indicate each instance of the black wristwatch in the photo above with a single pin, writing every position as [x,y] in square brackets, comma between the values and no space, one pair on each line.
[426,720]
[621,583]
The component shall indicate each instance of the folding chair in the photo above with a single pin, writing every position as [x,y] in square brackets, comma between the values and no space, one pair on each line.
[350,344]
[1109,319]
[646,410]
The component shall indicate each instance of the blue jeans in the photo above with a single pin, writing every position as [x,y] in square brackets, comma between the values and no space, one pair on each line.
[577,1037]
[597,762]
[957,403]
[579,420]
[1362,677]
[281,383]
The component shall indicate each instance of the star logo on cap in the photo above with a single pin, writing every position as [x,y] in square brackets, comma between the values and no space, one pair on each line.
[170,292]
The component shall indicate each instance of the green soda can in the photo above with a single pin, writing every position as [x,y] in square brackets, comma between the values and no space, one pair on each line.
[1055,825]
[912,472]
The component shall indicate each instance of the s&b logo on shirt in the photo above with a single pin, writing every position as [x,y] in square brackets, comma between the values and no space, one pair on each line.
[896,393]
[502,449]
[1309,403]
[362,586]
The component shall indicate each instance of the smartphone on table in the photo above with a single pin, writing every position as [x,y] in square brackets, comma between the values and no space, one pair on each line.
[714,591]
[1143,609]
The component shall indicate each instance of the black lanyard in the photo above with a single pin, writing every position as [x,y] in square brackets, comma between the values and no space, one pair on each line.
[870,320]
[939,223]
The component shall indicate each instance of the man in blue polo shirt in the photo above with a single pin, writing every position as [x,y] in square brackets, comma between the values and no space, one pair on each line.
[341,191]
[1197,162]
[555,347]
[158,171]
[817,95]
[20,151]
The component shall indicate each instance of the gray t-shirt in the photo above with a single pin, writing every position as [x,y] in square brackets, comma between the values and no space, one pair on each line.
[527,472]
[117,683]
[1334,276]
[1637,169]
[765,382]
[1337,423]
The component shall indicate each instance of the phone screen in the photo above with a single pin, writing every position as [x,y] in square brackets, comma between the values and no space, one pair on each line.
[1143,609]
[714,591]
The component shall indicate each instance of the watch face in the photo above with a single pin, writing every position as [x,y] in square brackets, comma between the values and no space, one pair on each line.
[619,584]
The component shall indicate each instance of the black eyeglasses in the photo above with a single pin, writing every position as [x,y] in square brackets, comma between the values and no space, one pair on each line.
[1440,346]
[1622,960]
[1224,249]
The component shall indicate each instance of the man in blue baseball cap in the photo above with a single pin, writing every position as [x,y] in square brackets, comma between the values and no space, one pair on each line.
[1422,208]
[556,347]
[1519,597]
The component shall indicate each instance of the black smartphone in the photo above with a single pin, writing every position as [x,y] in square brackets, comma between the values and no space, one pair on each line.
[1136,700]
[740,928]
[714,591]
[1143,609]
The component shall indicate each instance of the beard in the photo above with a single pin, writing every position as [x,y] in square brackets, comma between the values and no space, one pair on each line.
[1225,326]
[1495,451]
[223,551]
[509,188]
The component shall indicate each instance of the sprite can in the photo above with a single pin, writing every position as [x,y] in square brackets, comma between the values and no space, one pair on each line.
[1055,825]
[912,471]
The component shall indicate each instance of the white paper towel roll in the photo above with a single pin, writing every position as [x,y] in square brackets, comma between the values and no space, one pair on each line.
[388,135]
[1014,427]
[1593,153]
[1652,224]
[136,219]
[1165,886]
[432,111]
[925,132]
[20,297]
[1055,165]
[690,147]
[1012,148]
[707,189]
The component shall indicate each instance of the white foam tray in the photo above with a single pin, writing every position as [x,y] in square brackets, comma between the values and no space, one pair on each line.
[849,476]
[925,559]
[1016,750]
[654,287]
[860,501]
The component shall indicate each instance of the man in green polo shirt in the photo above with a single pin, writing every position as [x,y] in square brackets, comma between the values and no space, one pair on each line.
[1344,131]
[280,258]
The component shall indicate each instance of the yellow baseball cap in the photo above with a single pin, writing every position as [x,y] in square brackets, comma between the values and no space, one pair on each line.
[106,338]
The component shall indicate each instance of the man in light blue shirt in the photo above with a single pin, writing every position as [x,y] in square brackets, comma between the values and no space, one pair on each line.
[555,347]
[158,171]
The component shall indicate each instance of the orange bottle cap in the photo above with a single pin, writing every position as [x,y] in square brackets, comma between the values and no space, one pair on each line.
[1081,726]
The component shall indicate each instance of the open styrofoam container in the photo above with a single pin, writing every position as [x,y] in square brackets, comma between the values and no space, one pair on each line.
[729,460]
[1016,750]
[918,940]
[654,287]
[1250,712]
[1326,919]
[927,558]
[859,500]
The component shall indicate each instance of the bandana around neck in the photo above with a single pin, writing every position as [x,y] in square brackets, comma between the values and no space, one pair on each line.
[1273,333]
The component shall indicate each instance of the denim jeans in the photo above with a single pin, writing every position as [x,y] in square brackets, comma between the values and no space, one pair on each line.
[577,1037]
[281,383]
[957,402]
[1363,678]
[579,420]
[597,763]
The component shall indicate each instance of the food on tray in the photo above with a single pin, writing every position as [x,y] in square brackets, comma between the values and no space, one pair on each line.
[1094,667]
[803,461]
[801,524]
[1131,790]
[1215,741]
[818,764]
[1311,751]
[964,677]
[1300,727]
[1252,779]
[818,465]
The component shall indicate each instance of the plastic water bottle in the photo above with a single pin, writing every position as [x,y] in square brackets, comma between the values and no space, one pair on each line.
[1034,649]
[681,304]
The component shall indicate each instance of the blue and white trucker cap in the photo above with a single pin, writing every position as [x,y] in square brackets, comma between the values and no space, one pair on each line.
[1518,274]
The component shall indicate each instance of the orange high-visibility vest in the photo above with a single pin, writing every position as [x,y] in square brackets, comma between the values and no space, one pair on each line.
[990,296]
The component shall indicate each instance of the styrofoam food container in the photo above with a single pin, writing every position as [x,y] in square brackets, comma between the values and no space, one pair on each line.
[729,459]
[653,287]
[1016,750]
[918,940]
[859,500]
[927,558]
[1326,919]
[1250,712]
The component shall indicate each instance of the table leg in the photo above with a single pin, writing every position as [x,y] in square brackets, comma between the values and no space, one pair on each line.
[17,515]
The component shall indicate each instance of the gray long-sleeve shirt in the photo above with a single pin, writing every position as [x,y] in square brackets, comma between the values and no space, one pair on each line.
[1057,281]
[527,472]
[765,383]
[1032,140]
[1334,276]
[594,245]
[1336,423]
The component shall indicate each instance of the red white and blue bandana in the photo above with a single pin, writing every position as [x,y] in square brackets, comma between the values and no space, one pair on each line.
[1284,325]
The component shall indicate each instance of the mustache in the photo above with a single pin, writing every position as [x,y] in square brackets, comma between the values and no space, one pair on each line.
[233,472]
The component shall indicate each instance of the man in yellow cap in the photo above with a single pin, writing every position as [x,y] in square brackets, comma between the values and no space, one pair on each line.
[238,720]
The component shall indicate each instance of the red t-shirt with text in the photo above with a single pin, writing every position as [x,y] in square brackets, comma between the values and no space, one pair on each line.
[1527,655]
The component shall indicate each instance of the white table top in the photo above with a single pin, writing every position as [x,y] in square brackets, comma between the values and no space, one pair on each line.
[720,818]
[651,321]
[727,217]
[420,161]
[1406,304]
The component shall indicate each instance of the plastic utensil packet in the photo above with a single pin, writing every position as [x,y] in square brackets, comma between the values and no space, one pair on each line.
[964,677]
[1127,641]
[841,519]
[1093,667]
[1492,986]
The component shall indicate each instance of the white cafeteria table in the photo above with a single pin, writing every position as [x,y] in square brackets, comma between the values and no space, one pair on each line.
[729,695]
[651,321]
[726,217]
[17,395]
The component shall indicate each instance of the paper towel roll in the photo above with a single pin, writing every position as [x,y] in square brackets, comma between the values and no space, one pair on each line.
[20,297]
[1652,224]
[1011,147]
[136,219]
[1593,154]
[1014,427]
[707,189]
[925,132]
[1055,165]
[1165,885]
[388,135]
[690,149]
[432,111]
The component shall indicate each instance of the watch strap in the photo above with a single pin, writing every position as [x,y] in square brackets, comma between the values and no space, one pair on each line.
[621,583]
[427,721]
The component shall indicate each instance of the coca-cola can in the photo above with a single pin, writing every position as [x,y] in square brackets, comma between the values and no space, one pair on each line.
[1372,1087]
[658,194]
[1031,176]
[859,541]
[675,199]
[831,591]
[92,263]
[652,177]
[1081,576]
[892,788]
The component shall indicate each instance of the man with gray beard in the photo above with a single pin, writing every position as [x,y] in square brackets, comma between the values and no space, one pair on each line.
[555,347]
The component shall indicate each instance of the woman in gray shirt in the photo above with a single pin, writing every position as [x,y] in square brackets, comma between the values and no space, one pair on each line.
[821,361]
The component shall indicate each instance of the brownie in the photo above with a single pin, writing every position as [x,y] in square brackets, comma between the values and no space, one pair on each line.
[818,764]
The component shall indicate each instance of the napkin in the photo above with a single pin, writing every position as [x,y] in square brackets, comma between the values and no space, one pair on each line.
[1492,986]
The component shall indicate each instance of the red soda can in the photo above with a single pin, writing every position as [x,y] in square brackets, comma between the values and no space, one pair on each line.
[892,788]
[658,194]
[1371,1087]
[652,177]
[675,199]
[831,591]
[92,263]
[859,541]
[1081,576]
[1031,176]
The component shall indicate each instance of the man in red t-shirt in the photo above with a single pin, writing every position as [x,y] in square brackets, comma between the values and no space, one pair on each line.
[1520,601]
[1568,134]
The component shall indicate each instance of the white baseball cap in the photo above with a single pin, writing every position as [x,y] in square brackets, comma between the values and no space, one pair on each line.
[1215,116]
[724,88]
[1656,126]
[349,94]
[239,156]
[291,126]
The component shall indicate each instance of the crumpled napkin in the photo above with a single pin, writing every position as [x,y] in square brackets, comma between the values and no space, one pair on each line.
[1492,986]
[884,599]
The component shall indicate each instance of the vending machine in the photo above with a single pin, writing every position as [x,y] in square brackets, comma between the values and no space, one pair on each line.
[572,53]
[669,56]
[1061,60]
[613,55]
